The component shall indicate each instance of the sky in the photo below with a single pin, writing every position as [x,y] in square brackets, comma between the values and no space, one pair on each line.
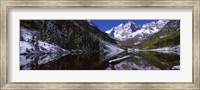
[104,25]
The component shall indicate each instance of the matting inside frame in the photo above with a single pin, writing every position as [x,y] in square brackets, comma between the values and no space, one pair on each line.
[182,75]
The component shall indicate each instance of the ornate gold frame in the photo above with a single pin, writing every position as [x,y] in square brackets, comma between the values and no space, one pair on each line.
[4,55]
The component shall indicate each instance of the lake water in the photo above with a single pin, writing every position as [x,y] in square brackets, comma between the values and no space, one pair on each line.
[94,61]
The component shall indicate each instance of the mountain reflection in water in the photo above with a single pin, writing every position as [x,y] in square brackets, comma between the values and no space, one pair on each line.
[94,61]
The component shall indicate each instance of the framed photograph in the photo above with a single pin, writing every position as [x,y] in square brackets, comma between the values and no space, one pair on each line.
[103,44]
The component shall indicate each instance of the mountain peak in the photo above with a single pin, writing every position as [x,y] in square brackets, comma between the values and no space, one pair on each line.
[130,29]
[160,21]
[130,22]
[120,25]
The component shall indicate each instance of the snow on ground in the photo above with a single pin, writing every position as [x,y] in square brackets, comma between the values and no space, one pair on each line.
[44,47]
[50,48]
[136,43]
[26,47]
[26,34]
[177,67]
[163,36]
[167,48]
[111,50]
[175,50]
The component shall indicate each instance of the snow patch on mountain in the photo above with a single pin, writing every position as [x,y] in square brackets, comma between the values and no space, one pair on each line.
[29,44]
[50,48]
[27,34]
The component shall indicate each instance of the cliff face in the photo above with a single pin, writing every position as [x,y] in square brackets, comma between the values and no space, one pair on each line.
[65,34]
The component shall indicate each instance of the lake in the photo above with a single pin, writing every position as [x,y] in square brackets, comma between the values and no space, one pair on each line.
[142,60]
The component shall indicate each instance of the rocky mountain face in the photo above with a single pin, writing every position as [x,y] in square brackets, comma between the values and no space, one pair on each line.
[130,30]
[61,36]
[123,31]
[159,34]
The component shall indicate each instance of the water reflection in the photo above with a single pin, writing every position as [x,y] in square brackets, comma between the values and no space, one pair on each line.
[94,61]
[66,62]
[147,61]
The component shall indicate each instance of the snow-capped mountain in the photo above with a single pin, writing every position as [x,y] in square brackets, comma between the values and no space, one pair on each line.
[129,30]
[123,31]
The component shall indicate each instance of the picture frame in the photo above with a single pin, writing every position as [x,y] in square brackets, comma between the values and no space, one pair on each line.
[4,44]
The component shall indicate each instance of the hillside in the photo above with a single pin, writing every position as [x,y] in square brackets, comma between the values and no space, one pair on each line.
[169,35]
[61,36]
